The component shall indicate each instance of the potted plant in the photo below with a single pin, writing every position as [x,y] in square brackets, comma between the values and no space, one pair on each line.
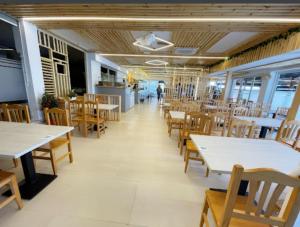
[49,101]
[72,94]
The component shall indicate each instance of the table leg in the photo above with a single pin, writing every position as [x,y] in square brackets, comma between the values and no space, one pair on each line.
[263,132]
[242,189]
[33,182]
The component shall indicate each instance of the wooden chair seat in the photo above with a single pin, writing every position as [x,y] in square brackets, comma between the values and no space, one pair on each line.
[10,180]
[191,146]
[55,116]
[93,119]
[216,201]
[55,143]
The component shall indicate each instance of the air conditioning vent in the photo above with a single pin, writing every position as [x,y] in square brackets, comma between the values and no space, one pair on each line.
[185,51]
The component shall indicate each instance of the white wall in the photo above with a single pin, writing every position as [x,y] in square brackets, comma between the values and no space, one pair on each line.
[12,86]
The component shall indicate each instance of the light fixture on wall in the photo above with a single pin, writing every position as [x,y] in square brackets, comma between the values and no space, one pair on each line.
[152,42]
[156,62]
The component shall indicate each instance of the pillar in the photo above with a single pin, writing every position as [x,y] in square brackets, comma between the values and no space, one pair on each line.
[228,86]
[32,68]
[93,72]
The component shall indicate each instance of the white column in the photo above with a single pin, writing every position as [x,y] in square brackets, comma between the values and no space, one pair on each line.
[93,72]
[263,88]
[32,67]
[269,88]
[228,86]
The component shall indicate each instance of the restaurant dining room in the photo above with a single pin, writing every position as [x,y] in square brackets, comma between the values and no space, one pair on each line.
[149,113]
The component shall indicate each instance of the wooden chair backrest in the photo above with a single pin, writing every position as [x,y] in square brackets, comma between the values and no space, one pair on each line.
[76,107]
[18,113]
[219,121]
[262,210]
[255,112]
[289,132]
[3,112]
[240,111]
[199,123]
[56,116]
[281,112]
[90,97]
[92,108]
[240,128]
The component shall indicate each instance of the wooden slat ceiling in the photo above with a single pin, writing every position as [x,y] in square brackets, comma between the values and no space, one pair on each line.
[116,37]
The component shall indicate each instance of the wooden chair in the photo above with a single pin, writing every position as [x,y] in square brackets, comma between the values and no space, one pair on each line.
[175,123]
[288,133]
[17,113]
[183,133]
[220,122]
[241,128]
[9,179]
[58,117]
[240,111]
[92,117]
[229,209]
[281,112]
[254,112]
[76,110]
[199,124]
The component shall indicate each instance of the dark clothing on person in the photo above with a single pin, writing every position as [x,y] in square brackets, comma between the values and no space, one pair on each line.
[159,91]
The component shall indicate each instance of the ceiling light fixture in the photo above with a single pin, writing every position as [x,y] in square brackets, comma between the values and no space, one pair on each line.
[160,67]
[163,56]
[156,62]
[147,41]
[168,19]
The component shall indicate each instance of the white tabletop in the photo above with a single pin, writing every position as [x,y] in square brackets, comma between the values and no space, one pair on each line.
[222,153]
[177,115]
[107,106]
[166,104]
[210,107]
[263,121]
[17,139]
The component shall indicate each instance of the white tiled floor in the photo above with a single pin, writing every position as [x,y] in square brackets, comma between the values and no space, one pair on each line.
[132,176]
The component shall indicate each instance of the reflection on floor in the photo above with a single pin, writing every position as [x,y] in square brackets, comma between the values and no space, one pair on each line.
[132,176]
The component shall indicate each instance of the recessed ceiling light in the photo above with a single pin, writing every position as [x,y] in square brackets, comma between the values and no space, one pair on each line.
[162,56]
[149,40]
[170,19]
[156,62]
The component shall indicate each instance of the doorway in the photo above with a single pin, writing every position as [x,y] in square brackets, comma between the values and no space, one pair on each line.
[77,70]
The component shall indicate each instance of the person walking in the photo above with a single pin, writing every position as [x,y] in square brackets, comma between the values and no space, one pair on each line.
[158,91]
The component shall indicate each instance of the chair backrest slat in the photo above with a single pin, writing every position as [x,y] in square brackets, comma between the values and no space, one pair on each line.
[18,113]
[254,211]
[56,116]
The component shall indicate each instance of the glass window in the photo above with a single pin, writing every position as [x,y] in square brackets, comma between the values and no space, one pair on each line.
[285,91]
[246,89]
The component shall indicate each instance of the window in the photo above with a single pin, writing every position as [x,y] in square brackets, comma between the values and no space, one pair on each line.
[246,89]
[285,91]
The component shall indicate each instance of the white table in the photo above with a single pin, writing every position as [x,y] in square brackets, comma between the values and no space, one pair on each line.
[222,153]
[107,106]
[179,115]
[166,104]
[18,140]
[263,122]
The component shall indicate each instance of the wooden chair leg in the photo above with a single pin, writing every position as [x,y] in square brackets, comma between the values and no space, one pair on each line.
[204,215]
[70,152]
[181,146]
[53,162]
[15,190]
[187,157]
[15,162]
[207,172]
